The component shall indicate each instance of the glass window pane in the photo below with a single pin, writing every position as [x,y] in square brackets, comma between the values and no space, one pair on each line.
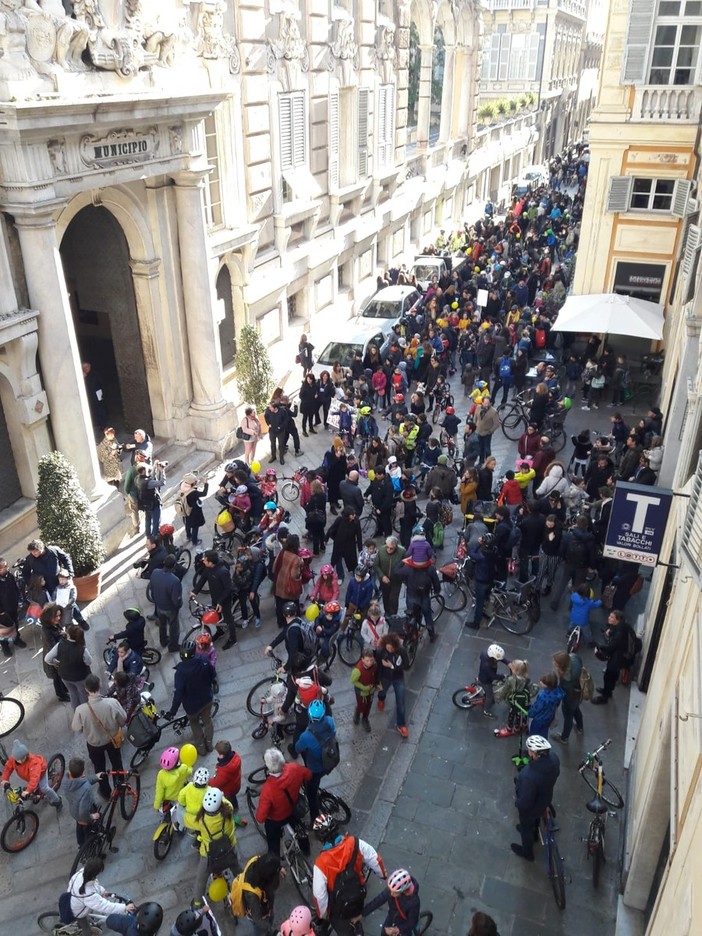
[689,35]
[666,8]
[665,35]
[693,8]
[662,202]
[665,186]
[639,201]
[659,76]
[642,186]
[662,57]
[681,76]
[686,57]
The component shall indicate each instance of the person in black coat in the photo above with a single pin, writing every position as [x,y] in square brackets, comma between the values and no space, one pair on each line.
[382,496]
[193,687]
[345,532]
[615,651]
[597,475]
[534,787]
[531,525]
[219,580]
[316,510]
[485,478]
[277,420]
[46,561]
[325,394]
[334,465]
[9,610]
[309,403]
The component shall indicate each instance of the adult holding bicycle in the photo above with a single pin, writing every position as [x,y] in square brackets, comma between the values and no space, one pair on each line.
[218,577]
[88,897]
[100,720]
[534,787]
[278,800]
[193,688]
[422,582]
[167,594]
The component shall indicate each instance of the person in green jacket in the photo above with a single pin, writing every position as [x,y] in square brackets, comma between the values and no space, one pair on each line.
[388,559]
[170,780]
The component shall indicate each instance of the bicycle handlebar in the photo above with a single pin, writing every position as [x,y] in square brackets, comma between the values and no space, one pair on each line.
[589,758]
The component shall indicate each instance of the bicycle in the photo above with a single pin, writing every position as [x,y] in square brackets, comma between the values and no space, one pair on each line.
[573,639]
[11,714]
[595,841]
[348,641]
[440,404]
[261,701]
[21,828]
[415,627]
[369,523]
[329,803]
[163,836]
[150,656]
[455,585]
[50,922]
[517,608]
[290,488]
[102,831]
[159,721]
[469,696]
[555,865]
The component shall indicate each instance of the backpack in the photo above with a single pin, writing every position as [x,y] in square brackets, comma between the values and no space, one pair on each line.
[309,636]
[587,686]
[349,894]
[634,644]
[239,885]
[64,905]
[540,338]
[505,369]
[576,552]
[446,514]
[330,749]
[141,731]
[311,694]
[221,854]
[437,535]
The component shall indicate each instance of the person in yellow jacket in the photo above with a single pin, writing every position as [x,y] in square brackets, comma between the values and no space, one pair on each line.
[217,835]
[170,780]
[191,796]
[409,430]
[525,474]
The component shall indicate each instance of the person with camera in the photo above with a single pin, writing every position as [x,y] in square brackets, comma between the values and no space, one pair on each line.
[108,453]
[148,486]
[142,445]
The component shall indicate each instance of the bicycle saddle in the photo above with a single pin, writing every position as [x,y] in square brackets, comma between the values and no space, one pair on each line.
[597,806]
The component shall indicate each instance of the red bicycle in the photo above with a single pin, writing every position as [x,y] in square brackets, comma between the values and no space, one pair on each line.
[290,488]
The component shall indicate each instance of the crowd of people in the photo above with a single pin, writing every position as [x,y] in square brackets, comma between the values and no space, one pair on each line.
[545,520]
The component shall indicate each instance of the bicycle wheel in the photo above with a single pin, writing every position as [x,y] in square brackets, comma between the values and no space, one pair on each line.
[533,607]
[558,439]
[466,698]
[258,777]
[150,656]
[162,844]
[333,805]
[91,848]
[11,715]
[455,597]
[326,662]
[197,631]
[214,709]
[184,558]
[149,593]
[556,874]
[290,490]
[595,850]
[437,607]
[19,831]
[514,619]
[301,873]
[514,424]
[252,803]
[55,771]
[141,754]
[423,923]
[610,794]
[368,525]
[349,646]
[129,795]
[49,922]
[411,645]
[257,701]
[260,731]
[436,413]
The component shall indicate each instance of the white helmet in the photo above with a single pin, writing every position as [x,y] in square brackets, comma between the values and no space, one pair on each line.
[201,777]
[495,652]
[212,800]
[536,743]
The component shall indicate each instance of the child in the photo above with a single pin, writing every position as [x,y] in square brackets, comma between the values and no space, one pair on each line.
[364,679]
[241,586]
[543,709]
[32,769]
[359,591]
[515,690]
[524,474]
[345,423]
[395,473]
[205,648]
[268,485]
[133,632]
[227,776]
[581,604]
[488,675]
[240,506]
[366,558]
[326,587]
[329,620]
[420,553]
[306,488]
[170,780]
[66,594]
[36,591]
[511,492]
[191,796]
[78,790]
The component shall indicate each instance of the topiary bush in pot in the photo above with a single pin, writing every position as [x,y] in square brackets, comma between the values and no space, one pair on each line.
[254,374]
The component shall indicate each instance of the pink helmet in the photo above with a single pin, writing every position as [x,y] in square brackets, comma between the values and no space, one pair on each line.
[299,923]
[304,553]
[326,569]
[170,758]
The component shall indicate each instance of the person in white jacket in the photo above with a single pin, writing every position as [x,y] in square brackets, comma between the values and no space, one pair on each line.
[88,896]
[555,480]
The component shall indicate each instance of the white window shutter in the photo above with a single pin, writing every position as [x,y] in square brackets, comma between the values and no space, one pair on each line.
[504,56]
[299,119]
[619,194]
[638,40]
[534,40]
[692,528]
[363,134]
[286,131]
[692,242]
[390,125]
[494,56]
[333,141]
[681,196]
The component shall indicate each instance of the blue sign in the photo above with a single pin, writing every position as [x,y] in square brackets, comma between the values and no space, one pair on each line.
[637,522]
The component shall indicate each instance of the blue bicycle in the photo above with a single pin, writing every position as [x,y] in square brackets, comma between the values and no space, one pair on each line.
[554,862]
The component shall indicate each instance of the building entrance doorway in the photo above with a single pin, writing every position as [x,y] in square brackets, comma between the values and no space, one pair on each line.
[95,258]
[10,489]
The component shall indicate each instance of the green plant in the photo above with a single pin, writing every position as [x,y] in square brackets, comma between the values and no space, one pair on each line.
[513,104]
[254,373]
[523,101]
[531,97]
[502,106]
[486,111]
[66,517]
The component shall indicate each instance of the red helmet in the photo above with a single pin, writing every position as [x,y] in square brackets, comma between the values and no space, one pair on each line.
[326,569]
[211,617]
[204,641]
[166,529]
[399,398]
[332,607]
[450,411]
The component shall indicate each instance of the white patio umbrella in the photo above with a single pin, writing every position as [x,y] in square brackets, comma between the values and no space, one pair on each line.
[611,314]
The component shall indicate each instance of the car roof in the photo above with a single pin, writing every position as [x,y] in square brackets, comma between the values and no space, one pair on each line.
[393,293]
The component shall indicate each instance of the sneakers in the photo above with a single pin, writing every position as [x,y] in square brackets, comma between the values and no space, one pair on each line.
[586,408]
[518,850]
[488,714]
[560,738]
[257,623]
[6,648]
[603,700]
[230,643]
[20,643]
[366,724]
[238,821]
[244,623]
[403,731]
[579,730]
[381,704]
[356,717]
[298,453]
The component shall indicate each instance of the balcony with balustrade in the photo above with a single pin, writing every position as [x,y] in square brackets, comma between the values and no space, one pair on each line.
[672,103]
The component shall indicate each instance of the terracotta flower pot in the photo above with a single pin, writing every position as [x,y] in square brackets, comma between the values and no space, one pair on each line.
[88,586]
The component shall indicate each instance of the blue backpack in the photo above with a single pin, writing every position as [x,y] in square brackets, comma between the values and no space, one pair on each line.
[505,369]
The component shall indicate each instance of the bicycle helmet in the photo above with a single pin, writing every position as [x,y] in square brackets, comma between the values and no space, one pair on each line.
[204,641]
[201,777]
[480,384]
[326,827]
[365,411]
[417,529]
[315,710]
[211,617]
[450,411]
[166,529]
[270,505]
[272,473]
[230,468]
[187,922]
[304,553]
[487,542]
[399,398]
[212,800]
[326,570]
[241,489]
[360,571]
[149,918]
[170,758]
[332,607]
[495,652]
[536,743]
[290,609]
[399,881]
[187,651]
[132,614]
[299,923]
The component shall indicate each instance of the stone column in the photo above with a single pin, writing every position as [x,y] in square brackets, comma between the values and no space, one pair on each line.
[203,342]
[58,348]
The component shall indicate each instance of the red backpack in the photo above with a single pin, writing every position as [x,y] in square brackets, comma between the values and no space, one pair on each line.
[540,338]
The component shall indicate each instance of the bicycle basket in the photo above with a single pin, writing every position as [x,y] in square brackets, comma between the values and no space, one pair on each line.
[401,624]
[449,572]
[141,731]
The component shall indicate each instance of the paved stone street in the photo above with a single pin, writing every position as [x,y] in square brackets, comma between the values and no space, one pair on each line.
[440,803]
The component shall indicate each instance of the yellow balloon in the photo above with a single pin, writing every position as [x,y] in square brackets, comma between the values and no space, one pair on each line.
[188,754]
[371,475]
[312,613]
[255,467]
[218,889]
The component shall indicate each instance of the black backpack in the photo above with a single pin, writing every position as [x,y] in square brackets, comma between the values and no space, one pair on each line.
[330,748]
[221,854]
[349,893]
[576,552]
[634,645]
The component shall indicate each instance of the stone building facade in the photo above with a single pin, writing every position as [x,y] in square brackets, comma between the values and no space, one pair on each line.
[172,169]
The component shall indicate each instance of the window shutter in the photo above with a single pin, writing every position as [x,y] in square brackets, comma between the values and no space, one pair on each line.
[619,193]
[286,131]
[692,242]
[692,528]
[333,141]
[494,56]
[504,56]
[534,40]
[390,125]
[363,141]
[681,196]
[299,129]
[638,41]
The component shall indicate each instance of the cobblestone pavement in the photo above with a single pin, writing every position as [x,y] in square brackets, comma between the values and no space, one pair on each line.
[439,803]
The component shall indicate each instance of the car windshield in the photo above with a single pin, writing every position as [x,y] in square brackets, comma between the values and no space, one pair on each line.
[341,351]
[377,310]
[425,271]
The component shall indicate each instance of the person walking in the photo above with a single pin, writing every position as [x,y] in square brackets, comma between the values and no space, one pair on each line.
[51,634]
[250,433]
[100,720]
[167,594]
[72,660]
[148,486]
[534,792]
[568,667]
[279,796]
[345,532]
[393,663]
[193,688]
[387,562]
[304,355]
[218,577]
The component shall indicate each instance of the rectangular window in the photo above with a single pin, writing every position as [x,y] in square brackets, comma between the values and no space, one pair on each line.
[652,195]
[213,185]
[517,59]
[363,128]
[386,126]
[504,56]
[292,110]
[532,56]
[494,56]
[627,193]
[333,123]
[676,43]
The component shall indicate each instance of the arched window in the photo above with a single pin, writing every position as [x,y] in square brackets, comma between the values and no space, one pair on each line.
[437,83]
[414,69]
[227,330]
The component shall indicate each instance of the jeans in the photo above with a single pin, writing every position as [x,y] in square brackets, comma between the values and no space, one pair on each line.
[153,520]
[274,832]
[312,789]
[489,695]
[391,596]
[97,757]
[191,531]
[202,729]
[482,593]
[49,795]
[571,713]
[168,628]
[610,681]
[398,686]
[77,692]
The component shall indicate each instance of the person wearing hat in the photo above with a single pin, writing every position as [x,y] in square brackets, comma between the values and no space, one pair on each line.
[32,769]
[167,593]
[108,452]
[189,505]
[141,446]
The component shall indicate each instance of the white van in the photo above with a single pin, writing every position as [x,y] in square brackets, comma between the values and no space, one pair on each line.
[388,306]
[344,347]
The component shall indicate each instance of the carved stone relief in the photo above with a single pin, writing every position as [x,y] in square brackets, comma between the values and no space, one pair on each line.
[212,41]
[343,48]
[288,55]
[386,52]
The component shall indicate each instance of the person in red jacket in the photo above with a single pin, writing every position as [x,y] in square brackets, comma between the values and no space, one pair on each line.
[510,492]
[279,796]
[32,769]
[227,776]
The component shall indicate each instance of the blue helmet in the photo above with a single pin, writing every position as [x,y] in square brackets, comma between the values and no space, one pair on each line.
[270,505]
[316,710]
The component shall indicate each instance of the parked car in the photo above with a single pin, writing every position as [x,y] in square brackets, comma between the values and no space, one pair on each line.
[427,266]
[388,306]
[343,348]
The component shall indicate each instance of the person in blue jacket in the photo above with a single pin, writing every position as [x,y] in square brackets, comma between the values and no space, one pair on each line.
[320,728]
[402,897]
[359,591]
[193,687]
[543,709]
[145,922]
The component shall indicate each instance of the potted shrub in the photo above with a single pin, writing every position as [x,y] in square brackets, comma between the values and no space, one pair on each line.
[513,104]
[67,519]
[486,112]
[502,107]
[523,102]
[254,374]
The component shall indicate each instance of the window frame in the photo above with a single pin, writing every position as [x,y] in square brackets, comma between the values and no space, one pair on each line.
[680,21]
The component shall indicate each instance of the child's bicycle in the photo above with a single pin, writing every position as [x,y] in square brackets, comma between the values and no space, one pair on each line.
[573,640]
[21,828]
[469,696]
[150,656]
